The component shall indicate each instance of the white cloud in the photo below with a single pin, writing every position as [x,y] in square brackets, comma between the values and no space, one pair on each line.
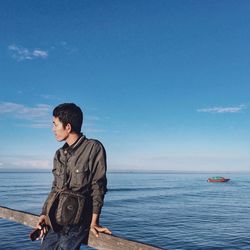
[221,110]
[38,116]
[45,164]
[26,161]
[19,53]
[40,53]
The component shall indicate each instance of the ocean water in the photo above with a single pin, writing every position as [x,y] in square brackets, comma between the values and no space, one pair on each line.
[169,210]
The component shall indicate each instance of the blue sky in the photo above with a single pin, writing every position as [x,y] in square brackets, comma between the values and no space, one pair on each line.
[163,84]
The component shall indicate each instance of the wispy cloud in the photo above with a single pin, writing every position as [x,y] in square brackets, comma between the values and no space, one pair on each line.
[94,130]
[19,53]
[68,48]
[91,124]
[37,116]
[221,110]
[49,97]
[25,161]
[31,163]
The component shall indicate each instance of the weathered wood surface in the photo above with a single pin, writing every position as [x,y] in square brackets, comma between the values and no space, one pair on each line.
[103,242]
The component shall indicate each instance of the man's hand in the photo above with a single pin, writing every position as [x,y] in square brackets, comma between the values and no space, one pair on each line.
[96,229]
[41,221]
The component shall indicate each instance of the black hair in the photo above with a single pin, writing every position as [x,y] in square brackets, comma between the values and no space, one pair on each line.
[69,113]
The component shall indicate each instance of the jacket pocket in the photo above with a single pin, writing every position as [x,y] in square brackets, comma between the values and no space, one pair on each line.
[80,176]
[59,175]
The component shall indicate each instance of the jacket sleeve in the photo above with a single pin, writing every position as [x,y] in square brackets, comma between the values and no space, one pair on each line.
[53,188]
[48,198]
[99,180]
[52,191]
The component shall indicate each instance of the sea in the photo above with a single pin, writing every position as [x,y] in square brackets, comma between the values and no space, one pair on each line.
[170,210]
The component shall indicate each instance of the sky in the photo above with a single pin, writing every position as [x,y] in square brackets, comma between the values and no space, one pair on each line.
[164,85]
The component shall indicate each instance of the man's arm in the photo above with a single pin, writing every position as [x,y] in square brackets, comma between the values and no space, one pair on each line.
[43,218]
[98,187]
[96,228]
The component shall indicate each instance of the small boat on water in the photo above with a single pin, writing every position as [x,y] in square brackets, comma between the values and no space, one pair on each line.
[217,179]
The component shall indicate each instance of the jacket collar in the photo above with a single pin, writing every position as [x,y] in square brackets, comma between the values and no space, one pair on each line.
[70,149]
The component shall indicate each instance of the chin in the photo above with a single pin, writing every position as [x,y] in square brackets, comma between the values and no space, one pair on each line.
[59,139]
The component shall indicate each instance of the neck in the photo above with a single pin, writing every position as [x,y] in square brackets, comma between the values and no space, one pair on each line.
[72,138]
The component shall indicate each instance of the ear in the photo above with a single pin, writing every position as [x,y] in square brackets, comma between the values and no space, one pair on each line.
[68,127]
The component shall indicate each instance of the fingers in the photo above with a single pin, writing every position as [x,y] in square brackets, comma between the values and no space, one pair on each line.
[104,230]
[107,231]
[40,225]
[41,221]
[96,229]
[43,232]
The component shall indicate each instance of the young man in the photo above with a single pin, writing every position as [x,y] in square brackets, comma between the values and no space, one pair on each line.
[80,170]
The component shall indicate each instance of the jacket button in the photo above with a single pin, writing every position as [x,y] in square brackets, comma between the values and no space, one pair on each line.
[77,170]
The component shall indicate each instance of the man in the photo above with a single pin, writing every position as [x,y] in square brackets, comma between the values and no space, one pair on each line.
[80,169]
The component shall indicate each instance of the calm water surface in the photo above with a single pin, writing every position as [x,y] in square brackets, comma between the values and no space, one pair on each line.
[172,211]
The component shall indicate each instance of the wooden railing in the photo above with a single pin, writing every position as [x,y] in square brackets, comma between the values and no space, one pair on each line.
[103,242]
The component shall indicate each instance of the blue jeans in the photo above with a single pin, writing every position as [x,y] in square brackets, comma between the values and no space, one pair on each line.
[70,239]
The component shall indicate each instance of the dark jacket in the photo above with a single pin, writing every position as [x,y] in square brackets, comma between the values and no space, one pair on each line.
[81,168]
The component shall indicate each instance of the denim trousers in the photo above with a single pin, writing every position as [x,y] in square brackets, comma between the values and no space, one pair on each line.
[69,239]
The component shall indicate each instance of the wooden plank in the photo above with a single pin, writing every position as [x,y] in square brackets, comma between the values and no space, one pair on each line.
[111,242]
[103,242]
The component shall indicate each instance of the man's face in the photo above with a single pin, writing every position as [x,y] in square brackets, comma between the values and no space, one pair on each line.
[59,131]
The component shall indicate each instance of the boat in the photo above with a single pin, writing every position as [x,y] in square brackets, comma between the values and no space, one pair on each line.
[217,179]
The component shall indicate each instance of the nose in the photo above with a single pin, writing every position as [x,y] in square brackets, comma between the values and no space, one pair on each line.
[53,129]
